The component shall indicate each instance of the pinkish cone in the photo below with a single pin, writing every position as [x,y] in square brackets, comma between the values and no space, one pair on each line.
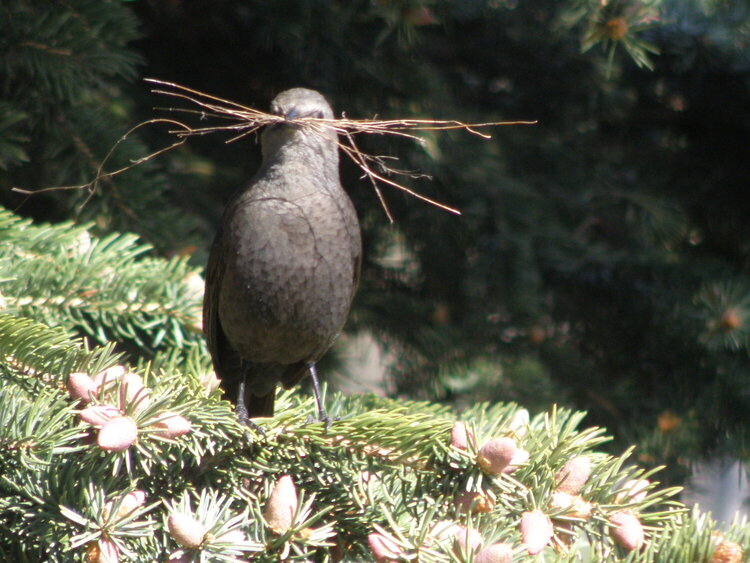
[495,553]
[459,436]
[107,377]
[383,548]
[81,386]
[108,552]
[627,531]
[519,458]
[171,425]
[186,530]
[496,454]
[574,474]
[99,415]
[281,505]
[536,531]
[118,434]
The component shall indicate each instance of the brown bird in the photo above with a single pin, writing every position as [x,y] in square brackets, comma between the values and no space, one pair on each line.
[284,265]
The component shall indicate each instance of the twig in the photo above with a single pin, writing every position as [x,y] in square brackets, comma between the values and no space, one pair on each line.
[250,120]
[359,159]
[245,121]
[101,175]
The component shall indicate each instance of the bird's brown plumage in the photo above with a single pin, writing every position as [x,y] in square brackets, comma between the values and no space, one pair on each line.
[284,265]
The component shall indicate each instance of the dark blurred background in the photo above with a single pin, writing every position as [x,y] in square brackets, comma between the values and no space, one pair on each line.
[601,258]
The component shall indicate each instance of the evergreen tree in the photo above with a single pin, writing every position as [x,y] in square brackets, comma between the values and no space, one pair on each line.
[600,261]
[106,461]
[63,108]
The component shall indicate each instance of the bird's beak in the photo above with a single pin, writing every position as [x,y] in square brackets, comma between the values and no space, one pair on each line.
[293,113]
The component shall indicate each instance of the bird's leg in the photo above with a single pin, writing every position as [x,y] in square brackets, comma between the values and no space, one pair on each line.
[241,408]
[322,415]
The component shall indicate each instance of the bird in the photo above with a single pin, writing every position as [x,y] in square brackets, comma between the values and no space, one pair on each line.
[284,265]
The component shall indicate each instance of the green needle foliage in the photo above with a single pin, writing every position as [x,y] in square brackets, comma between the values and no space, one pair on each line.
[601,257]
[63,65]
[600,263]
[212,491]
[60,275]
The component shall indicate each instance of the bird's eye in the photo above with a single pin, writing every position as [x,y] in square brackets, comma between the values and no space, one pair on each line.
[317,114]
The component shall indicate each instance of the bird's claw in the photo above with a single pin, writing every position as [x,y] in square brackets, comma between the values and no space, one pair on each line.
[245,420]
[324,418]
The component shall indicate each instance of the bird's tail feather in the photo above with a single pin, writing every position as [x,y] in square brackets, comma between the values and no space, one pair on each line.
[261,406]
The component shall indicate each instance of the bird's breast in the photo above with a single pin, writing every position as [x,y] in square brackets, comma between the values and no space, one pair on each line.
[289,274]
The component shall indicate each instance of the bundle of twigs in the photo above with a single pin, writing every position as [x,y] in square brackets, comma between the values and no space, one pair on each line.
[241,121]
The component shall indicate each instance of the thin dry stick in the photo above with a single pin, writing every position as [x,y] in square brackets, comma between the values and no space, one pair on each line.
[355,154]
[245,121]
[359,159]
[250,120]
[101,175]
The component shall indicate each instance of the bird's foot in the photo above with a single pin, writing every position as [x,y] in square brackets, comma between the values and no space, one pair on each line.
[245,420]
[322,417]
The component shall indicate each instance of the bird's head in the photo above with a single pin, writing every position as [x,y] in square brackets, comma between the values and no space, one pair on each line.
[294,104]
[301,102]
